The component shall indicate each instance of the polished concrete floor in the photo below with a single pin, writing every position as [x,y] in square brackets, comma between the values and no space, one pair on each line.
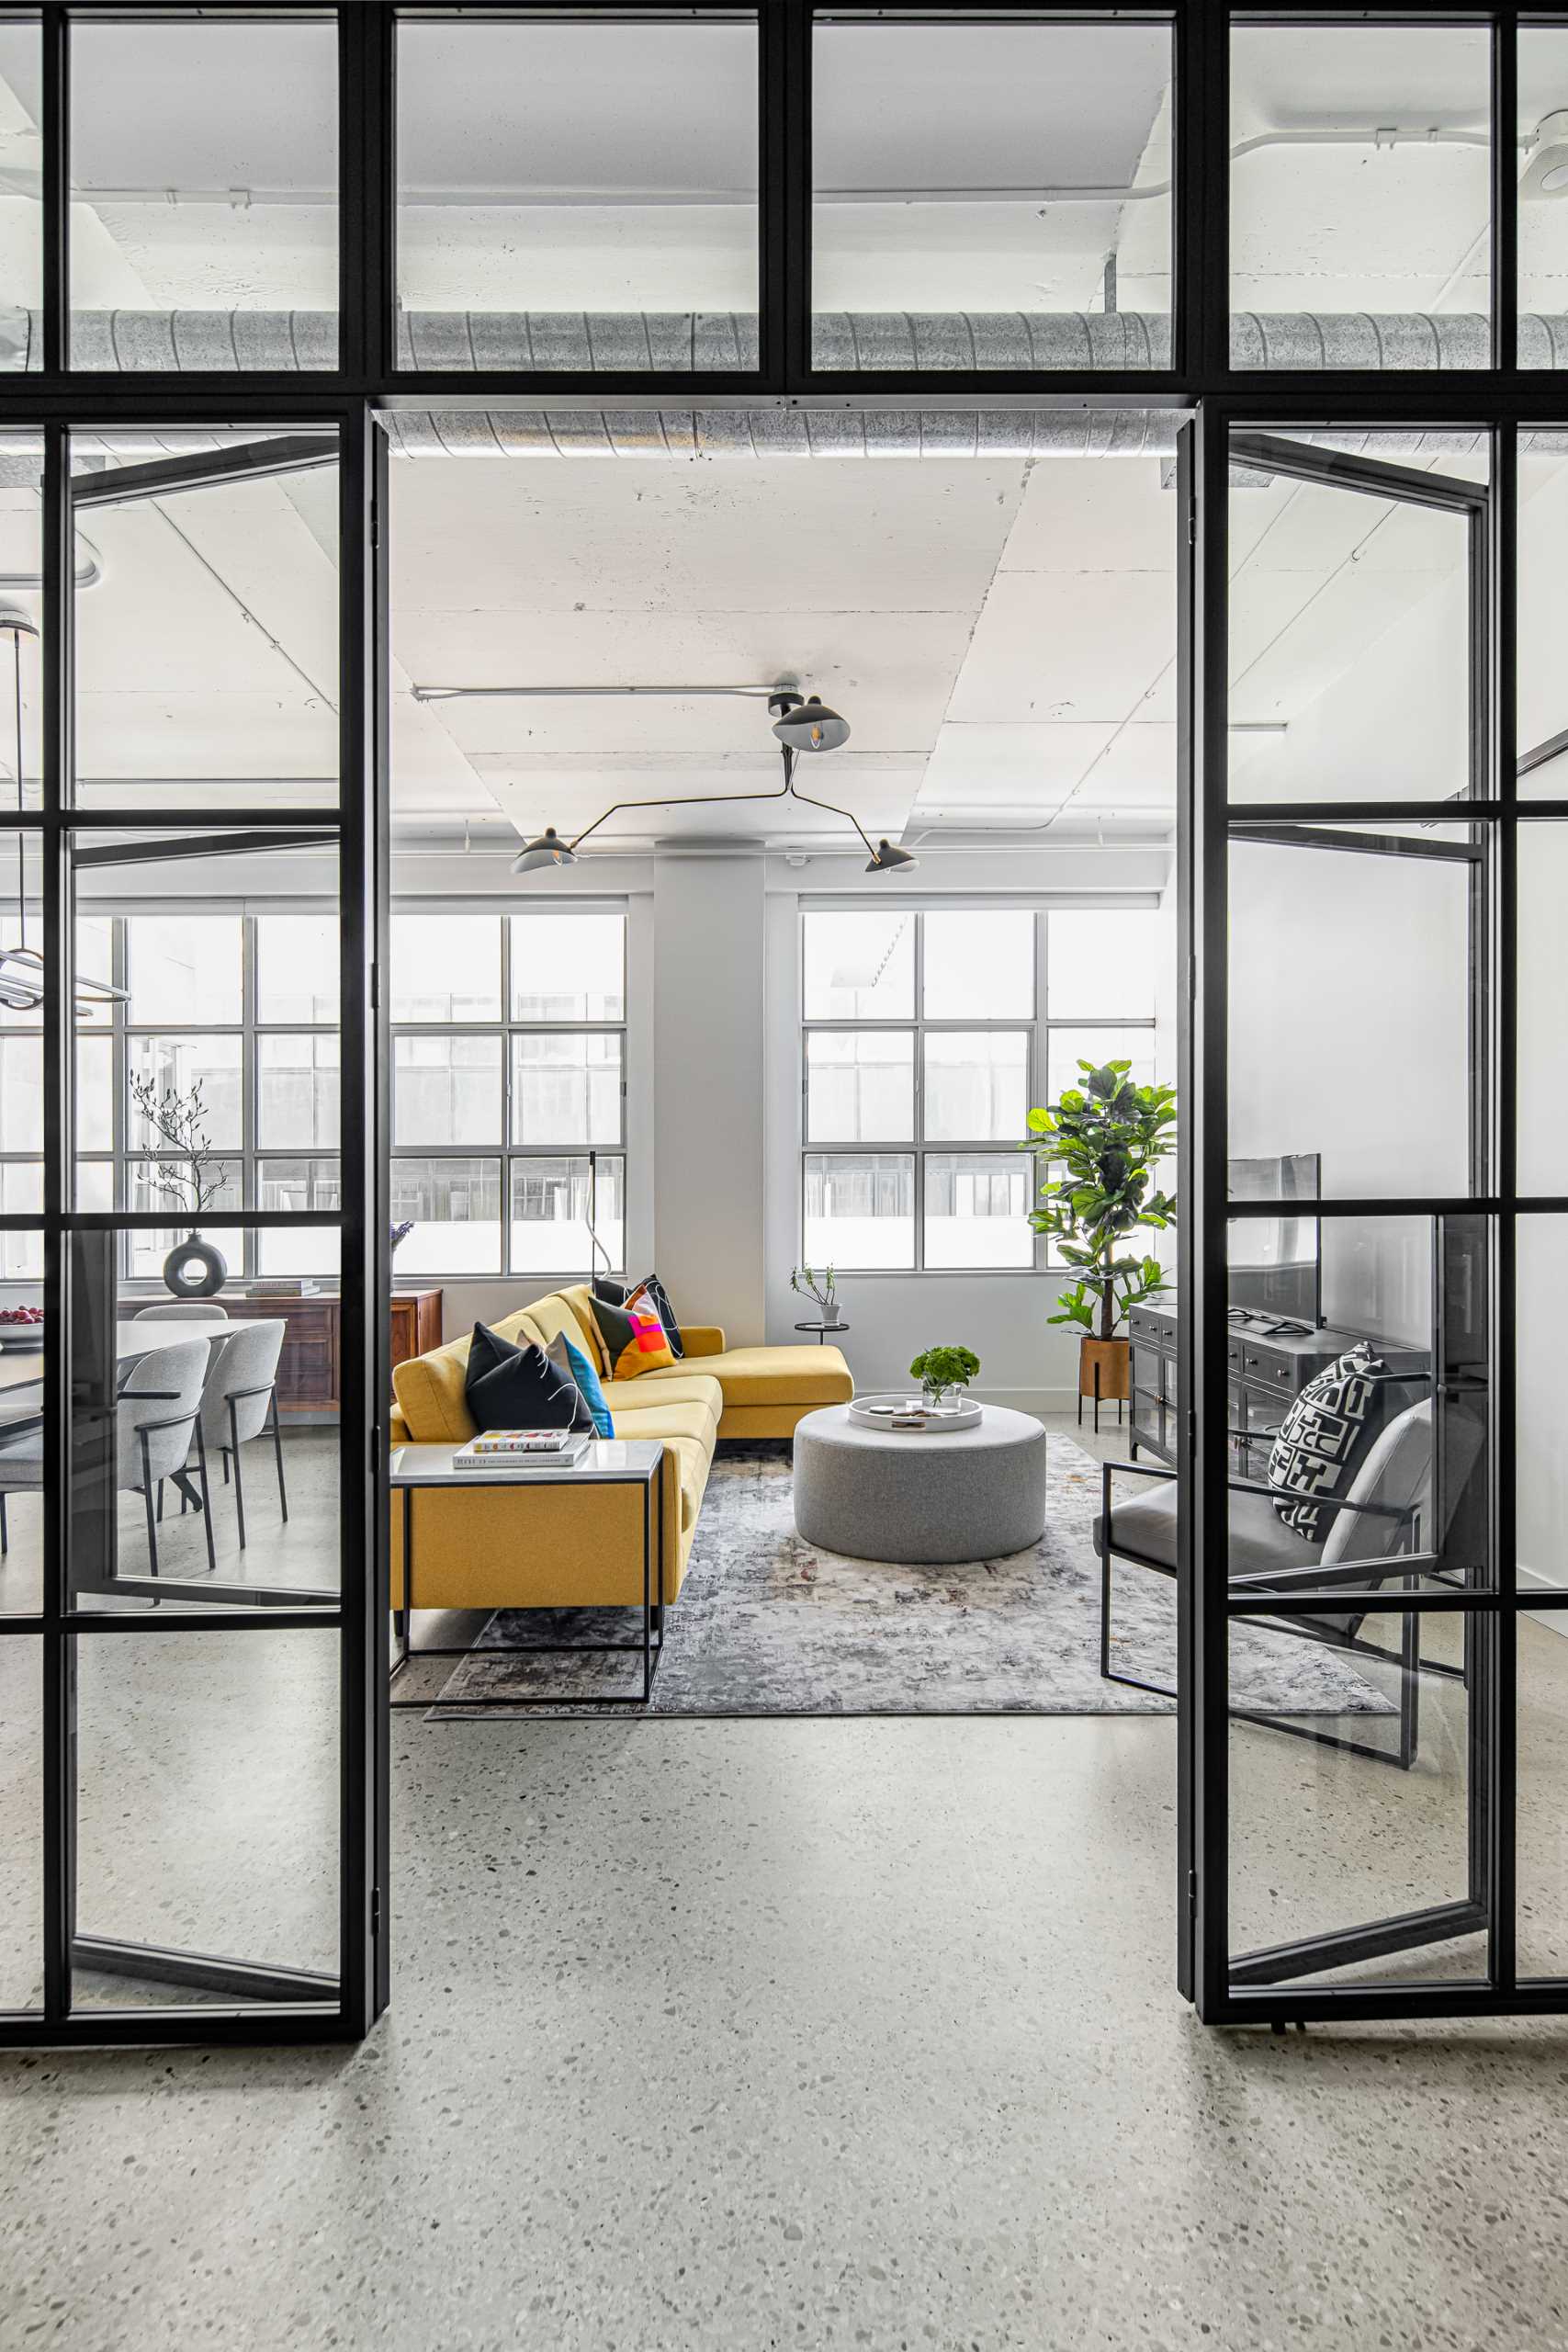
[757,2034]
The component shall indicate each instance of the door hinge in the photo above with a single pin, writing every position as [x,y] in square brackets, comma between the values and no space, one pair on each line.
[375,988]
[1192,1430]
[1191,1894]
[1192,526]
[375,1910]
[375,1448]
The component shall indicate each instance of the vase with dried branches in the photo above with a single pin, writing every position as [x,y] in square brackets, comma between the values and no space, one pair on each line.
[176,1123]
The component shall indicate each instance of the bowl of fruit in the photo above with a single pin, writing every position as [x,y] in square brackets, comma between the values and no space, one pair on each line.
[21,1327]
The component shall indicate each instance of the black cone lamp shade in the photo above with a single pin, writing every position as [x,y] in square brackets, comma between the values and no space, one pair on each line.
[888,856]
[547,849]
[808,726]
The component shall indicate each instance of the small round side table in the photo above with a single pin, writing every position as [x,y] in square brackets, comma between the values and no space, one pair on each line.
[824,1331]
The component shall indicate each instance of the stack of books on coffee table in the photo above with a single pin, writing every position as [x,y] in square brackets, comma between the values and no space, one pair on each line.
[499,1450]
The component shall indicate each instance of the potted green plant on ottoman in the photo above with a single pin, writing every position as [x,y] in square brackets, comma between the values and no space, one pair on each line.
[941,1370]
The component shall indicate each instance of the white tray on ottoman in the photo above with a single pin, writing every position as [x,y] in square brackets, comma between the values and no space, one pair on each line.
[920,1497]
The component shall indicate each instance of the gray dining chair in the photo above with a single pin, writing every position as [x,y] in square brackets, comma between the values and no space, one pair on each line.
[195,1310]
[240,1402]
[1376,1534]
[157,1416]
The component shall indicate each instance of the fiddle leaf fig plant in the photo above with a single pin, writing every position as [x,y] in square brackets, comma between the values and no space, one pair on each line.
[1099,1145]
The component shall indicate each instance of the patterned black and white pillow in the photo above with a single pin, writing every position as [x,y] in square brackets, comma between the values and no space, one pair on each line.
[1323,1439]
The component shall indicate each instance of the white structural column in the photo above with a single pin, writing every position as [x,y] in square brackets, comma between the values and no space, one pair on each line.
[709,1123]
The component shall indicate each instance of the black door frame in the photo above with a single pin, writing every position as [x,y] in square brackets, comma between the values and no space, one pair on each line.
[367,381]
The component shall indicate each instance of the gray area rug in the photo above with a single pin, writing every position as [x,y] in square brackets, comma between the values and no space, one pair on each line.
[768,1625]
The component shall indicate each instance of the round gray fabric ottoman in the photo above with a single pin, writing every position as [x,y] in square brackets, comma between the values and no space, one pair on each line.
[921,1496]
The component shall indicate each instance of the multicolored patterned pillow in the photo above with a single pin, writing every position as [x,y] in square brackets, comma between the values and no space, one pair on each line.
[1327,1434]
[650,1293]
[634,1339]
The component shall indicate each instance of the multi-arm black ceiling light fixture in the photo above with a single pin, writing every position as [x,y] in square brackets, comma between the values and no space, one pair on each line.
[803,726]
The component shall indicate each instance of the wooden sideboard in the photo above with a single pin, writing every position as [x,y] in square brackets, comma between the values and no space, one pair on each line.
[308,1370]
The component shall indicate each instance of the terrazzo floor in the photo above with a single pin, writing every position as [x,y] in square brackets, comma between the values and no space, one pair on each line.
[795,2033]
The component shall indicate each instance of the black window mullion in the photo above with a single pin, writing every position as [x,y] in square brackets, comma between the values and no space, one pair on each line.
[1505,189]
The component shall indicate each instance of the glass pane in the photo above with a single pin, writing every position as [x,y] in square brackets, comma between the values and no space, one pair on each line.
[453,1208]
[298,1102]
[979,966]
[977,1084]
[1326,1831]
[150,1390]
[21,206]
[173,1080]
[21,1822]
[1361,195]
[858,966]
[446,1090]
[568,968]
[567,1088]
[557,1212]
[1065,1049]
[1541,1840]
[204,168]
[1349,640]
[860,1086]
[168,1185]
[297,968]
[1381,1090]
[1105,966]
[22,1359]
[222,1835]
[1540,1488]
[446,968]
[1543,183]
[1542,977]
[21,1194]
[586,191]
[298,1185]
[185,969]
[978,1208]
[1542,704]
[94,1092]
[206,639]
[1337,1402]
[21,1093]
[991,194]
[859,1209]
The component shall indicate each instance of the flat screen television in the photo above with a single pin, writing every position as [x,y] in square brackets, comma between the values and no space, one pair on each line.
[1276,1262]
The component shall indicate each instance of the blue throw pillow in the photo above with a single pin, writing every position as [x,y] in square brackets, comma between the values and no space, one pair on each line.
[573,1360]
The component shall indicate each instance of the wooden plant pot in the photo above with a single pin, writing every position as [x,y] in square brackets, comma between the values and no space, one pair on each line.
[1104,1367]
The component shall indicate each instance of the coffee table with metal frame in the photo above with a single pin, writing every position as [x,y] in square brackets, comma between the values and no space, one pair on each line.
[608,1461]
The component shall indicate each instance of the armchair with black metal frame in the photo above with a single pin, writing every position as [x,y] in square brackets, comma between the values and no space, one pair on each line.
[1379,1522]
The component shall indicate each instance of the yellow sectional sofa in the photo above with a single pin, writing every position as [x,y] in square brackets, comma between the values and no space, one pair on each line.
[565,1547]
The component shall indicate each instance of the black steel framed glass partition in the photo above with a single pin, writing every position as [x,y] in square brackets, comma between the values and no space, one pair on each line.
[1138,251]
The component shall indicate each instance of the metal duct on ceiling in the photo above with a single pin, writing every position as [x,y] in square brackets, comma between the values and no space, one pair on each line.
[644,343]
[647,341]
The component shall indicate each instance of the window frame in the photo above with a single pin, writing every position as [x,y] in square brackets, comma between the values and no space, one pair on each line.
[1039,1025]
[504,1153]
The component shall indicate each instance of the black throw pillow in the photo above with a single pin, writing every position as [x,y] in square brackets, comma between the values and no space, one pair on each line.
[609,1292]
[1326,1435]
[508,1387]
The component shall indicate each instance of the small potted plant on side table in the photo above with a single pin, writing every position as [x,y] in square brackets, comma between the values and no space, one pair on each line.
[1099,1145]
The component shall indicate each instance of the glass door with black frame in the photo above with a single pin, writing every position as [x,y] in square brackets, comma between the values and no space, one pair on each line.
[1345,1726]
